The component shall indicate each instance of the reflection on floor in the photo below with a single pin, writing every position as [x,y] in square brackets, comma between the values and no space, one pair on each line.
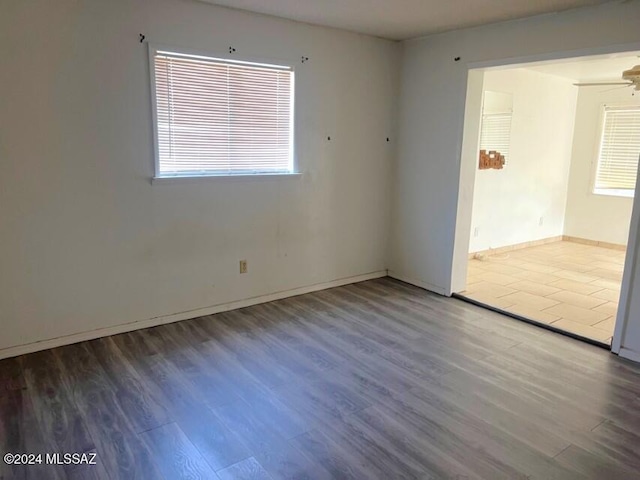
[569,285]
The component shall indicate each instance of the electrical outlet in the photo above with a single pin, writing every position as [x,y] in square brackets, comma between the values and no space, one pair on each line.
[476,231]
[541,221]
[243,266]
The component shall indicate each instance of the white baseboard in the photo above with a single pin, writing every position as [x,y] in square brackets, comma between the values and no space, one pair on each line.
[176,317]
[419,283]
[629,354]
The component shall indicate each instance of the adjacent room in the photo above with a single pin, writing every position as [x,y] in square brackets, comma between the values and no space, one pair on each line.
[552,201]
[234,237]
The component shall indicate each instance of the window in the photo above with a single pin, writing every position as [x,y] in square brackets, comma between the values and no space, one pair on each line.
[617,164]
[221,117]
[495,133]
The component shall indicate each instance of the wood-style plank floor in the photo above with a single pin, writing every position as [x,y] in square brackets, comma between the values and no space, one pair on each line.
[377,380]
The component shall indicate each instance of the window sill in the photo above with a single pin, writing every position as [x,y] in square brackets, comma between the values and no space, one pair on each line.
[613,193]
[223,178]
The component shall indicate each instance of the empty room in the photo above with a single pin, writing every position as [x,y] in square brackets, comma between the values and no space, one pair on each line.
[553,192]
[235,234]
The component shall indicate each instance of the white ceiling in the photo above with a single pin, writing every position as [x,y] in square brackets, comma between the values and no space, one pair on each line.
[402,19]
[591,69]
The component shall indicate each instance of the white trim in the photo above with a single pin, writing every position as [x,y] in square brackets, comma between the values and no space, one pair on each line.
[555,56]
[629,354]
[225,56]
[151,49]
[224,178]
[628,274]
[293,162]
[180,52]
[612,192]
[176,317]
[419,283]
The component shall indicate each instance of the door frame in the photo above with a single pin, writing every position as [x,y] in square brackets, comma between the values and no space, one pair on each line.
[468,158]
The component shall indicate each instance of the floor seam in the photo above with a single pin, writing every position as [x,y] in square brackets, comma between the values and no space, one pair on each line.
[562,451]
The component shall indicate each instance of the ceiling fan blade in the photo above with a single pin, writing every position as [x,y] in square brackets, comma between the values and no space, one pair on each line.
[616,88]
[599,84]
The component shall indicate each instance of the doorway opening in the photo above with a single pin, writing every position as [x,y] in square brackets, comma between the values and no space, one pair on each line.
[555,152]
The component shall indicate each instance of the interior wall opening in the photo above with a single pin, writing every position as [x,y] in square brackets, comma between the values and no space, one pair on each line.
[555,147]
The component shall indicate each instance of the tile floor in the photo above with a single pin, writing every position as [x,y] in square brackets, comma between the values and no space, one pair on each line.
[569,285]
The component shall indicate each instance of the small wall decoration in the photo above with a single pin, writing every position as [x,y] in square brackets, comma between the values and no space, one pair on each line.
[491,160]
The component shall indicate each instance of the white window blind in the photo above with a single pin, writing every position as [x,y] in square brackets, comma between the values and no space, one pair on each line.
[619,150]
[221,117]
[495,133]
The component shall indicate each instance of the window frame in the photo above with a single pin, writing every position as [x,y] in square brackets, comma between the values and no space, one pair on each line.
[158,177]
[607,192]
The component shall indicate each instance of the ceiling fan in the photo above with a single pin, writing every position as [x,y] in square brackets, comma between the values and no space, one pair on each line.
[631,76]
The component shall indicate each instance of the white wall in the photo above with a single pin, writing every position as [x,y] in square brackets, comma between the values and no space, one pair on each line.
[426,248]
[87,242]
[595,217]
[432,107]
[509,203]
